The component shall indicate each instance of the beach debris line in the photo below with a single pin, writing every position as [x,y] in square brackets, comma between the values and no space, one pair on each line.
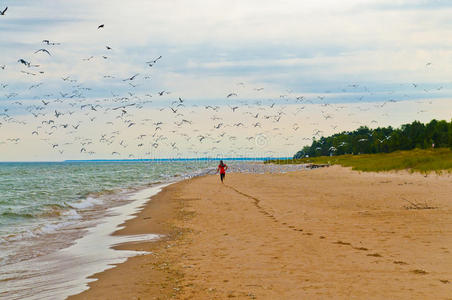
[315,166]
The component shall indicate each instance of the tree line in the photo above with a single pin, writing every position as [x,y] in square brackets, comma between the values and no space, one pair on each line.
[435,134]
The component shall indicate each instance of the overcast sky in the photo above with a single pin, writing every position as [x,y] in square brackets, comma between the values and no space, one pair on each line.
[328,52]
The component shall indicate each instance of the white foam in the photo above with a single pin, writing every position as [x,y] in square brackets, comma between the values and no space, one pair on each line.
[122,239]
[86,203]
[20,236]
[44,228]
[72,214]
[53,227]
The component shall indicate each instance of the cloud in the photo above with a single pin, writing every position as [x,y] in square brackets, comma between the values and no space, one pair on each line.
[318,49]
[407,5]
[233,39]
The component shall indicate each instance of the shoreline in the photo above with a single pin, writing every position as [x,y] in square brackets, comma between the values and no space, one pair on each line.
[47,276]
[336,233]
[154,217]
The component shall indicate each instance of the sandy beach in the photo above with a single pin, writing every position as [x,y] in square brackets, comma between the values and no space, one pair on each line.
[329,233]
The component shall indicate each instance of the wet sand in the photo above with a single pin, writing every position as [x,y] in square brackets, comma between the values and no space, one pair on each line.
[329,233]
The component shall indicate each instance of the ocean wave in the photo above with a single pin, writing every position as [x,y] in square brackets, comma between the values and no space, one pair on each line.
[52,227]
[86,203]
[48,219]
[102,193]
[26,234]
[16,215]
[72,214]
[38,231]
[52,210]
[43,211]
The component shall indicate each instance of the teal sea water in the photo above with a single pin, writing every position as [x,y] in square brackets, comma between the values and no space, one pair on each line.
[39,199]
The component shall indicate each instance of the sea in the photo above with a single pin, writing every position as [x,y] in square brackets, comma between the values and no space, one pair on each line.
[57,218]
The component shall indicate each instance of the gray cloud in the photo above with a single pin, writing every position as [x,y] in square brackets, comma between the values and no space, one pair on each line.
[298,46]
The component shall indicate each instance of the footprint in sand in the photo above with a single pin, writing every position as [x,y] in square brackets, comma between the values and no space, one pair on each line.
[419,271]
[374,255]
[398,262]
[361,248]
[342,243]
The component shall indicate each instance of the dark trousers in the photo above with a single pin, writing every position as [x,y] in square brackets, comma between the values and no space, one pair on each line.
[222,176]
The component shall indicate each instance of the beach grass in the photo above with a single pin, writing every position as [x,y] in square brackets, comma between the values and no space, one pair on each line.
[416,160]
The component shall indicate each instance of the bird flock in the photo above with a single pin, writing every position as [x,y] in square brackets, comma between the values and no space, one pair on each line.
[78,121]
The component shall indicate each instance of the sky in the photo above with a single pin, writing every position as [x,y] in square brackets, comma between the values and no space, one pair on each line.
[293,71]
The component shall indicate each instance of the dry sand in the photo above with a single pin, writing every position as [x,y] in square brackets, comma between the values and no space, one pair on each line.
[329,233]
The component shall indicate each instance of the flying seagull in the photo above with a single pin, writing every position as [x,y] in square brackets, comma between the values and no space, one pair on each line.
[131,78]
[24,62]
[28,73]
[49,43]
[152,62]
[100,26]
[43,50]
[2,13]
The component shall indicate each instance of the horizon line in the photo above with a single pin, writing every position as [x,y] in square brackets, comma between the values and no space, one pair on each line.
[259,158]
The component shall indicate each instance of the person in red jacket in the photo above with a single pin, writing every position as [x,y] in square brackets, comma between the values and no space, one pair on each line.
[222,168]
